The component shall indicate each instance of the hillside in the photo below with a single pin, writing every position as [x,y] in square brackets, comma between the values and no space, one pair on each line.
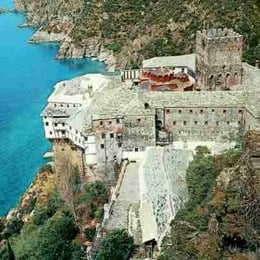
[220,220]
[133,30]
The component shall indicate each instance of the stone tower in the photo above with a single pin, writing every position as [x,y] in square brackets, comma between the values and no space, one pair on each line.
[218,59]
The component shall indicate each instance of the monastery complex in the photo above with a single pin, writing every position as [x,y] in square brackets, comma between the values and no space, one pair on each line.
[160,111]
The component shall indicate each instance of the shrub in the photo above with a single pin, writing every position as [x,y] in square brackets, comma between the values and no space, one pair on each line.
[90,233]
[46,168]
[116,246]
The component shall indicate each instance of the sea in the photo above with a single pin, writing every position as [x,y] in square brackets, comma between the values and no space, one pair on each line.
[27,75]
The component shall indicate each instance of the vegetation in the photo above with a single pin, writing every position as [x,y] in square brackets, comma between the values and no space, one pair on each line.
[53,240]
[90,233]
[192,224]
[46,168]
[95,196]
[152,28]
[118,245]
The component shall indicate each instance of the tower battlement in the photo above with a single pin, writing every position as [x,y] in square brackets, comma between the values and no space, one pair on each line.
[218,34]
[219,58]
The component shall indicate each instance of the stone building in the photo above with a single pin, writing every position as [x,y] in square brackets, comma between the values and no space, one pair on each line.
[218,59]
[104,118]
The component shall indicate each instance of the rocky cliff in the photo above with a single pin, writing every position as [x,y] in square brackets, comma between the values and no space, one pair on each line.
[133,30]
[227,226]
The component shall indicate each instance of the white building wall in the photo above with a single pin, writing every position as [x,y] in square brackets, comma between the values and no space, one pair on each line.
[48,127]
[90,150]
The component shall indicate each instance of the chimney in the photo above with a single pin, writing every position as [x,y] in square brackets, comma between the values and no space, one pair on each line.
[257,64]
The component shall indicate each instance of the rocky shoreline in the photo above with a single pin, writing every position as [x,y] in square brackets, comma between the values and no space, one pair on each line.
[69,50]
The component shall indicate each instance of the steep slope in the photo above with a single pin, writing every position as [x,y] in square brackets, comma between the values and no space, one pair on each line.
[225,225]
[134,30]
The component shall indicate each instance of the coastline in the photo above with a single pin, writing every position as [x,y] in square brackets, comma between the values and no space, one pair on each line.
[68,50]
[58,32]
[35,172]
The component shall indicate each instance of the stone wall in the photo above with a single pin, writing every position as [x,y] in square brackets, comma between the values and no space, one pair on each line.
[139,132]
[204,124]
[219,56]
[251,122]
[163,190]
[108,136]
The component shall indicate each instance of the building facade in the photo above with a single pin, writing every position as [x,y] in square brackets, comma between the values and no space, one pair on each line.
[115,117]
[218,59]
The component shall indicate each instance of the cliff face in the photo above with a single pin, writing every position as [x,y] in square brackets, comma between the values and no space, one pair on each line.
[133,30]
[231,215]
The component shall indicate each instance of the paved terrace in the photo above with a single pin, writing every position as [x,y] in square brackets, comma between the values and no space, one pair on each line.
[125,211]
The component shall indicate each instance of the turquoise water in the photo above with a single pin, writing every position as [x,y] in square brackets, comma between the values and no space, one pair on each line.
[27,75]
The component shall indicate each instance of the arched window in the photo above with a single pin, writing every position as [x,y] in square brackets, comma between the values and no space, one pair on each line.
[228,82]
[211,81]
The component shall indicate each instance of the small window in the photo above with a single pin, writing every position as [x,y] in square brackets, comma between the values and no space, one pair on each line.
[118,121]
[213,110]
[224,111]
[201,111]
[63,132]
[111,135]
[61,105]
[45,117]
[110,122]
[179,111]
[240,111]
[168,111]
[239,122]
[195,122]
[184,123]
[74,105]
[86,138]
[174,122]
[56,124]
[120,145]
[217,122]
[191,110]
[100,122]
[50,132]
[103,135]
[76,131]
[228,122]
[136,149]
[68,105]
[55,105]
[206,122]
[63,124]
[70,127]
[138,120]
[102,146]
[46,123]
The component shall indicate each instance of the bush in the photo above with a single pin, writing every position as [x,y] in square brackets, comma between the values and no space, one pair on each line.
[118,245]
[54,240]
[90,233]
[13,227]
[46,168]
[200,178]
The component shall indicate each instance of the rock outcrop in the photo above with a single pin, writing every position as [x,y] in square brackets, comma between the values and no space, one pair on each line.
[133,30]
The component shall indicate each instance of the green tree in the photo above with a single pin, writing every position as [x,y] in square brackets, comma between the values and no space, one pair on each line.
[118,245]
[95,197]
[53,240]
